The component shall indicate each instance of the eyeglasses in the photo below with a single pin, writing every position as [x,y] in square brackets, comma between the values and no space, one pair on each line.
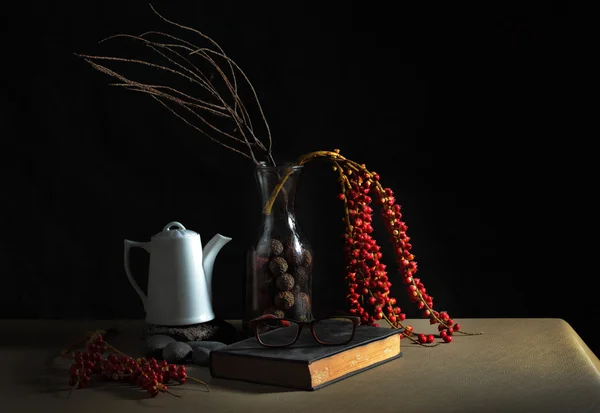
[271,331]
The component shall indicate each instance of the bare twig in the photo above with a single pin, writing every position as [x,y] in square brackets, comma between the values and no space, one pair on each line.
[200,130]
[150,89]
[204,36]
[251,87]
[180,65]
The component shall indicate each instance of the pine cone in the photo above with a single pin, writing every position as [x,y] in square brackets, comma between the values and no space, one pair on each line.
[278,266]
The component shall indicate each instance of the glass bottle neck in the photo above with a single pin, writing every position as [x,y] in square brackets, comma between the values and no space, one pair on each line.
[277,191]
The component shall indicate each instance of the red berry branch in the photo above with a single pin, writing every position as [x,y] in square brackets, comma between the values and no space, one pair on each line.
[366,276]
[148,374]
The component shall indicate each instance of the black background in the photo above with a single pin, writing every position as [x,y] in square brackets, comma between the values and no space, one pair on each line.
[473,117]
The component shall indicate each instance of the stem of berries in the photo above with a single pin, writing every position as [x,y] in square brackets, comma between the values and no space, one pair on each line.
[148,374]
[366,277]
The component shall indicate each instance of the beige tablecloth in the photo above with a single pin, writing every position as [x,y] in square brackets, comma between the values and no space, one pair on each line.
[518,365]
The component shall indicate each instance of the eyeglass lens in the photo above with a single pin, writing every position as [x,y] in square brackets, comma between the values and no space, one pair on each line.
[331,331]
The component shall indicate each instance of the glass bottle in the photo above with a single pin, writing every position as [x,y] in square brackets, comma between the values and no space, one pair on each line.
[279,264]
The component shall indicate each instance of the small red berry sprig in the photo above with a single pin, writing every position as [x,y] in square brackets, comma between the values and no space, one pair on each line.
[366,276]
[107,363]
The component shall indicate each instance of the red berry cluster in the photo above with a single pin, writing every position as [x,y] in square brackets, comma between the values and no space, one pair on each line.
[150,375]
[366,277]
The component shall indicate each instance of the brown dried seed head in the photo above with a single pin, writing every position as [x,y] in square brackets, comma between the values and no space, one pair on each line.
[300,275]
[275,311]
[293,253]
[306,258]
[284,300]
[284,282]
[275,248]
[278,266]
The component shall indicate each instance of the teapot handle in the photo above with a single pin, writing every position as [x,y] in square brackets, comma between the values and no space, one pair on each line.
[136,287]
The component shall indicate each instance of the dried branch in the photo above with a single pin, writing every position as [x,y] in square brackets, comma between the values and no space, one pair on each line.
[177,54]
[207,38]
[232,88]
[152,90]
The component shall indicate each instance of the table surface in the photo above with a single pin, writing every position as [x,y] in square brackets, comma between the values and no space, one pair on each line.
[517,365]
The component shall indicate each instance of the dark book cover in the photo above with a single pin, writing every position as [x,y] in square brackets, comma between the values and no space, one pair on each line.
[248,360]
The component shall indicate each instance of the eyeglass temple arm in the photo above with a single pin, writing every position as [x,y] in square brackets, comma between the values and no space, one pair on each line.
[255,321]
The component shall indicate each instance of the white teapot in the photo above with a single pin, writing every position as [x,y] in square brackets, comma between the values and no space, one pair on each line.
[180,276]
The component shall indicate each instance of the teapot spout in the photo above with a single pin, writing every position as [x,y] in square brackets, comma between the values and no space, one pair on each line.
[209,253]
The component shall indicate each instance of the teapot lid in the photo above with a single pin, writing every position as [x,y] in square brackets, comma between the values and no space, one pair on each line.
[178,232]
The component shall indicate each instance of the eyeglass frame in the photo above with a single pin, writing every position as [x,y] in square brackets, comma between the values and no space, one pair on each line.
[254,323]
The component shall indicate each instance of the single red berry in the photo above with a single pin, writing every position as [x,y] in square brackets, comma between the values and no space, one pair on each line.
[430,338]
[456,327]
[422,338]
[341,197]
[443,334]
[448,339]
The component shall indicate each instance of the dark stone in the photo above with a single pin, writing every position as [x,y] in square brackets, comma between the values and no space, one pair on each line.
[201,356]
[215,330]
[177,352]
[202,349]
[210,345]
[153,345]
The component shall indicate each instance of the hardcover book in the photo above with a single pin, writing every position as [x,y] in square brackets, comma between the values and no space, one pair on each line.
[306,365]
